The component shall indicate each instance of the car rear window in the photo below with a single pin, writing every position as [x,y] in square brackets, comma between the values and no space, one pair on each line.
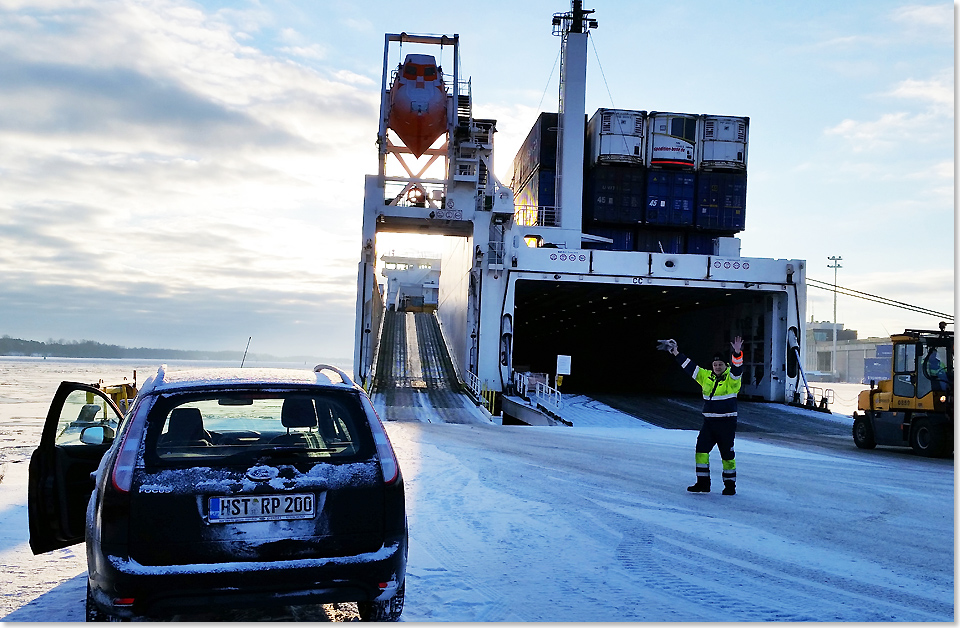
[221,424]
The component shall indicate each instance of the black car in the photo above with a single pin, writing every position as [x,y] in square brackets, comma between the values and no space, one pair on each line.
[221,489]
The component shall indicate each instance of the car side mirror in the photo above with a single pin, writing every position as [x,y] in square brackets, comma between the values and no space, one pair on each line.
[97,435]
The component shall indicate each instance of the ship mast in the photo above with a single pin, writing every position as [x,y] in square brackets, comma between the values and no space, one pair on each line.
[572,27]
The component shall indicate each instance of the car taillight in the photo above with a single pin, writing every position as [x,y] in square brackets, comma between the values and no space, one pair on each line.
[122,475]
[388,459]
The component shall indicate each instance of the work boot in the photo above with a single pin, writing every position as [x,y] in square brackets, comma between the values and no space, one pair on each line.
[702,486]
[729,488]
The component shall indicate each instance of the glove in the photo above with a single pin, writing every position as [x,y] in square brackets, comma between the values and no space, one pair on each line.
[667,345]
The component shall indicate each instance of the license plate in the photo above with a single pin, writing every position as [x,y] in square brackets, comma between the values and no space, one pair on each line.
[261,507]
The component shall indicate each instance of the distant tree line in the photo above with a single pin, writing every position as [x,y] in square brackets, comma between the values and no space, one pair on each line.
[90,349]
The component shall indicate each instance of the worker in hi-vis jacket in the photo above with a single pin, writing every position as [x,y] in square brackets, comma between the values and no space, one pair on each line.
[720,386]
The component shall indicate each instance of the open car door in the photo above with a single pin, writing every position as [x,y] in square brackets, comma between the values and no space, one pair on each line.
[62,467]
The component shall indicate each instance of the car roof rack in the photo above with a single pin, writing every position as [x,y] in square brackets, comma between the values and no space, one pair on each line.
[344,378]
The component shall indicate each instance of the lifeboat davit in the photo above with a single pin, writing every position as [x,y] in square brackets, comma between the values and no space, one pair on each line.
[418,103]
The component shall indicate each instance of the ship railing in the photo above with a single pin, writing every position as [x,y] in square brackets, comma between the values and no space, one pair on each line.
[537,391]
[813,397]
[474,384]
[536,216]
[548,397]
[496,253]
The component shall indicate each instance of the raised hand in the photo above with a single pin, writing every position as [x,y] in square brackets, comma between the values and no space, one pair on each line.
[737,344]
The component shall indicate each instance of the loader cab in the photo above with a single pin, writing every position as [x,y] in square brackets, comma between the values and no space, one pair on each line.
[922,370]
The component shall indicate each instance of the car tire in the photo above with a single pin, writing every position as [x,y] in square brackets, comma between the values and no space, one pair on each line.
[92,611]
[863,433]
[926,438]
[383,610]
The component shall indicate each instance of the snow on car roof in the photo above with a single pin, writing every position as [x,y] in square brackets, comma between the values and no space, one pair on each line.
[189,378]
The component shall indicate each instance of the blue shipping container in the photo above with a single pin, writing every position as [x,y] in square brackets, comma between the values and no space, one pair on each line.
[623,238]
[613,194]
[540,190]
[885,351]
[721,201]
[538,151]
[877,369]
[670,198]
[699,243]
[659,240]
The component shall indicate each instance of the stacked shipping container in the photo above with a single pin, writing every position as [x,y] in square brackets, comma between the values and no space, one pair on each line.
[535,166]
[669,182]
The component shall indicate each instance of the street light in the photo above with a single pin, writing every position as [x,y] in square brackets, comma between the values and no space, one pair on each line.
[833,357]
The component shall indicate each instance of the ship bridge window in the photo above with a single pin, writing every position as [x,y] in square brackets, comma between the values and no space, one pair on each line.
[429,72]
[684,127]
[410,71]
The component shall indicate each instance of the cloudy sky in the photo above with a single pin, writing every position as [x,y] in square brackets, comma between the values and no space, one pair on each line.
[189,174]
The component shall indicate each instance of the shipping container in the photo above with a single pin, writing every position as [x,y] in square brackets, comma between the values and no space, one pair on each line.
[671,198]
[538,151]
[535,196]
[613,195]
[616,136]
[885,351]
[699,243]
[623,238]
[721,201]
[671,140]
[659,240]
[723,142]
[876,369]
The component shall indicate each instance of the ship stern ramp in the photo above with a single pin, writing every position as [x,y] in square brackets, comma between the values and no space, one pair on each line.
[414,377]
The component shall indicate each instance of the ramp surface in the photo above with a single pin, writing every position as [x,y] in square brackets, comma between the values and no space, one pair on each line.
[415,379]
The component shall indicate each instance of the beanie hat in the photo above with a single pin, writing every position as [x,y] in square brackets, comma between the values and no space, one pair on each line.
[719,355]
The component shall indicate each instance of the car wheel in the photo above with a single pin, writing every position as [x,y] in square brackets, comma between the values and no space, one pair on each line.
[926,438]
[863,433]
[93,612]
[385,610]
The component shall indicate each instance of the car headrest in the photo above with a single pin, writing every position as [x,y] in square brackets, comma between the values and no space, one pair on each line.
[298,412]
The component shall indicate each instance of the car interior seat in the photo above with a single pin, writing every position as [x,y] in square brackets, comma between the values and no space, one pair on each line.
[296,412]
[185,428]
[88,415]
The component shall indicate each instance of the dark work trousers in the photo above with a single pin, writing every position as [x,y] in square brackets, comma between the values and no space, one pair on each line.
[719,432]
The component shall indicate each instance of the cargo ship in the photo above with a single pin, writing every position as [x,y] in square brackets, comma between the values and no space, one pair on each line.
[609,234]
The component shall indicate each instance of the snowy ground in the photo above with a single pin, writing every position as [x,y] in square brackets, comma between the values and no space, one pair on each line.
[592,523]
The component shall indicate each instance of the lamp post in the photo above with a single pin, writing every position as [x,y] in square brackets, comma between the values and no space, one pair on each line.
[833,355]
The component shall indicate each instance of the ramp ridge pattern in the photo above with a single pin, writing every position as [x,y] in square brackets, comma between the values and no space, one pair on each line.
[415,377]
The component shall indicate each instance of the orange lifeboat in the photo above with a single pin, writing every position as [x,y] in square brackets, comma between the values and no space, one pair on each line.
[418,103]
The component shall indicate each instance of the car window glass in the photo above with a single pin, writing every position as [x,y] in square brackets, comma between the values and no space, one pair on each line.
[221,425]
[82,409]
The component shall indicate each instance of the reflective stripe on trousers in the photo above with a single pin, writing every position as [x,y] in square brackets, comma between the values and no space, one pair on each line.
[703,467]
[730,470]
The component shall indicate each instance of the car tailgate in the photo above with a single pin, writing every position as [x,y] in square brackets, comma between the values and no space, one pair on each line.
[175,520]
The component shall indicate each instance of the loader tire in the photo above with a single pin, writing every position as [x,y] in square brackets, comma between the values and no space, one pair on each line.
[863,433]
[927,438]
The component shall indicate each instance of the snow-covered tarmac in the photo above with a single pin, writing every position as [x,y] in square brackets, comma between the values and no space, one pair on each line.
[592,523]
